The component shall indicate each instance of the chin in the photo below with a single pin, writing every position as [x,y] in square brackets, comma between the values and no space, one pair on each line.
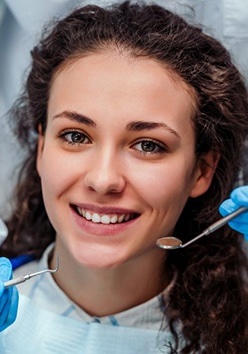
[100,260]
[100,264]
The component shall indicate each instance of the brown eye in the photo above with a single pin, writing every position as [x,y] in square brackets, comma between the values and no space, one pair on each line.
[75,137]
[150,147]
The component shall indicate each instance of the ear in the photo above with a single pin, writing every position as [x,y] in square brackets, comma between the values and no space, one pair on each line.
[205,169]
[40,146]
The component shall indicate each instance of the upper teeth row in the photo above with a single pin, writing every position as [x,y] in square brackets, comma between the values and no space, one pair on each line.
[104,219]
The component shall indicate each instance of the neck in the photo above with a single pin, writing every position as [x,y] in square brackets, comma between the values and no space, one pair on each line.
[103,292]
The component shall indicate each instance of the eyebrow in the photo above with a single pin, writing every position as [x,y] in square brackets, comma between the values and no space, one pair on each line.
[143,125]
[76,117]
[135,126]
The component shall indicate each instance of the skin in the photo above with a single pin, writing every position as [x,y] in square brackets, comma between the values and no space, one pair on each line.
[94,157]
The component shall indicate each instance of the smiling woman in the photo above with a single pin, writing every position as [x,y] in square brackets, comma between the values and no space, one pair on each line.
[130,116]
[122,159]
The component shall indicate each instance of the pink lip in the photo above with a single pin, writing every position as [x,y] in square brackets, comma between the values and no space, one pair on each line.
[102,229]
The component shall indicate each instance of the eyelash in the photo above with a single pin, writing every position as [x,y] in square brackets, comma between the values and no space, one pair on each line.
[64,136]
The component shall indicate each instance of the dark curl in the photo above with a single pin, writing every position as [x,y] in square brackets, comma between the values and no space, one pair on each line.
[209,296]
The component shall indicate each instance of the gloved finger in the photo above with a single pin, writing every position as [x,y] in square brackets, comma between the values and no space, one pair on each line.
[6,295]
[227,207]
[241,220]
[240,227]
[240,223]
[4,311]
[5,274]
[1,288]
[9,312]
[240,196]
[5,269]
[13,307]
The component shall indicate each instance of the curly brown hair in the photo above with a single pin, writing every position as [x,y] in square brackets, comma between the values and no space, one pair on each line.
[209,296]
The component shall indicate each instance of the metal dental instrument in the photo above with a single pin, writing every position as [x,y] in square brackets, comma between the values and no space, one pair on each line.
[23,278]
[172,243]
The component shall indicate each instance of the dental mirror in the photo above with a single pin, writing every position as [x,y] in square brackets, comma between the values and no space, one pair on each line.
[172,243]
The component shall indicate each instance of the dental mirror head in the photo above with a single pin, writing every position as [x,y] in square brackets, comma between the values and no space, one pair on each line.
[169,243]
[173,243]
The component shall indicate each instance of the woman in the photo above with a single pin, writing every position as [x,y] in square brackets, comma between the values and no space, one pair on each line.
[130,116]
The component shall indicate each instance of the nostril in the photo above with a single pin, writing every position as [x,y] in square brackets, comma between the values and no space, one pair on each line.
[105,183]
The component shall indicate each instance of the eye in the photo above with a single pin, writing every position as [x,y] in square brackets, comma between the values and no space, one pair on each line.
[74,137]
[150,147]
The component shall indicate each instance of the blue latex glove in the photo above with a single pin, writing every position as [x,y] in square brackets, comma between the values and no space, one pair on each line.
[238,198]
[8,297]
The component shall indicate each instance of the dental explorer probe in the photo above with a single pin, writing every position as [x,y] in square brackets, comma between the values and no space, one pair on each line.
[172,243]
[25,277]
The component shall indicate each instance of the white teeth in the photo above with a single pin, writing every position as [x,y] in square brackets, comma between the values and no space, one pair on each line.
[104,219]
[96,218]
[120,218]
[113,219]
[88,215]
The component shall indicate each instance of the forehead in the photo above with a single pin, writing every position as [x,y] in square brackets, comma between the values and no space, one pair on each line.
[120,83]
[125,60]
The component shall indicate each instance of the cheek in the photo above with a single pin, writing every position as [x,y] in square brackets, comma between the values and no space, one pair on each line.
[164,184]
[55,174]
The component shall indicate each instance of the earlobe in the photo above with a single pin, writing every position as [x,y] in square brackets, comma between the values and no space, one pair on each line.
[204,173]
[40,145]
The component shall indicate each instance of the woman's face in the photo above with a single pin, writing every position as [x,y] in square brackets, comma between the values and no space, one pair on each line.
[117,161]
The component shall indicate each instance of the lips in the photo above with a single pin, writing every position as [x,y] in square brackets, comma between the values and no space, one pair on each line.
[104,218]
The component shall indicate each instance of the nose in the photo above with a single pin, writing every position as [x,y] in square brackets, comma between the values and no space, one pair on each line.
[105,175]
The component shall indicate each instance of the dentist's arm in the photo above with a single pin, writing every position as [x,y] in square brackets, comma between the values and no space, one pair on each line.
[8,297]
[238,198]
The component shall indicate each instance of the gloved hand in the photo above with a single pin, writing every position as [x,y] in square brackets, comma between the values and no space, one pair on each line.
[238,198]
[8,297]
